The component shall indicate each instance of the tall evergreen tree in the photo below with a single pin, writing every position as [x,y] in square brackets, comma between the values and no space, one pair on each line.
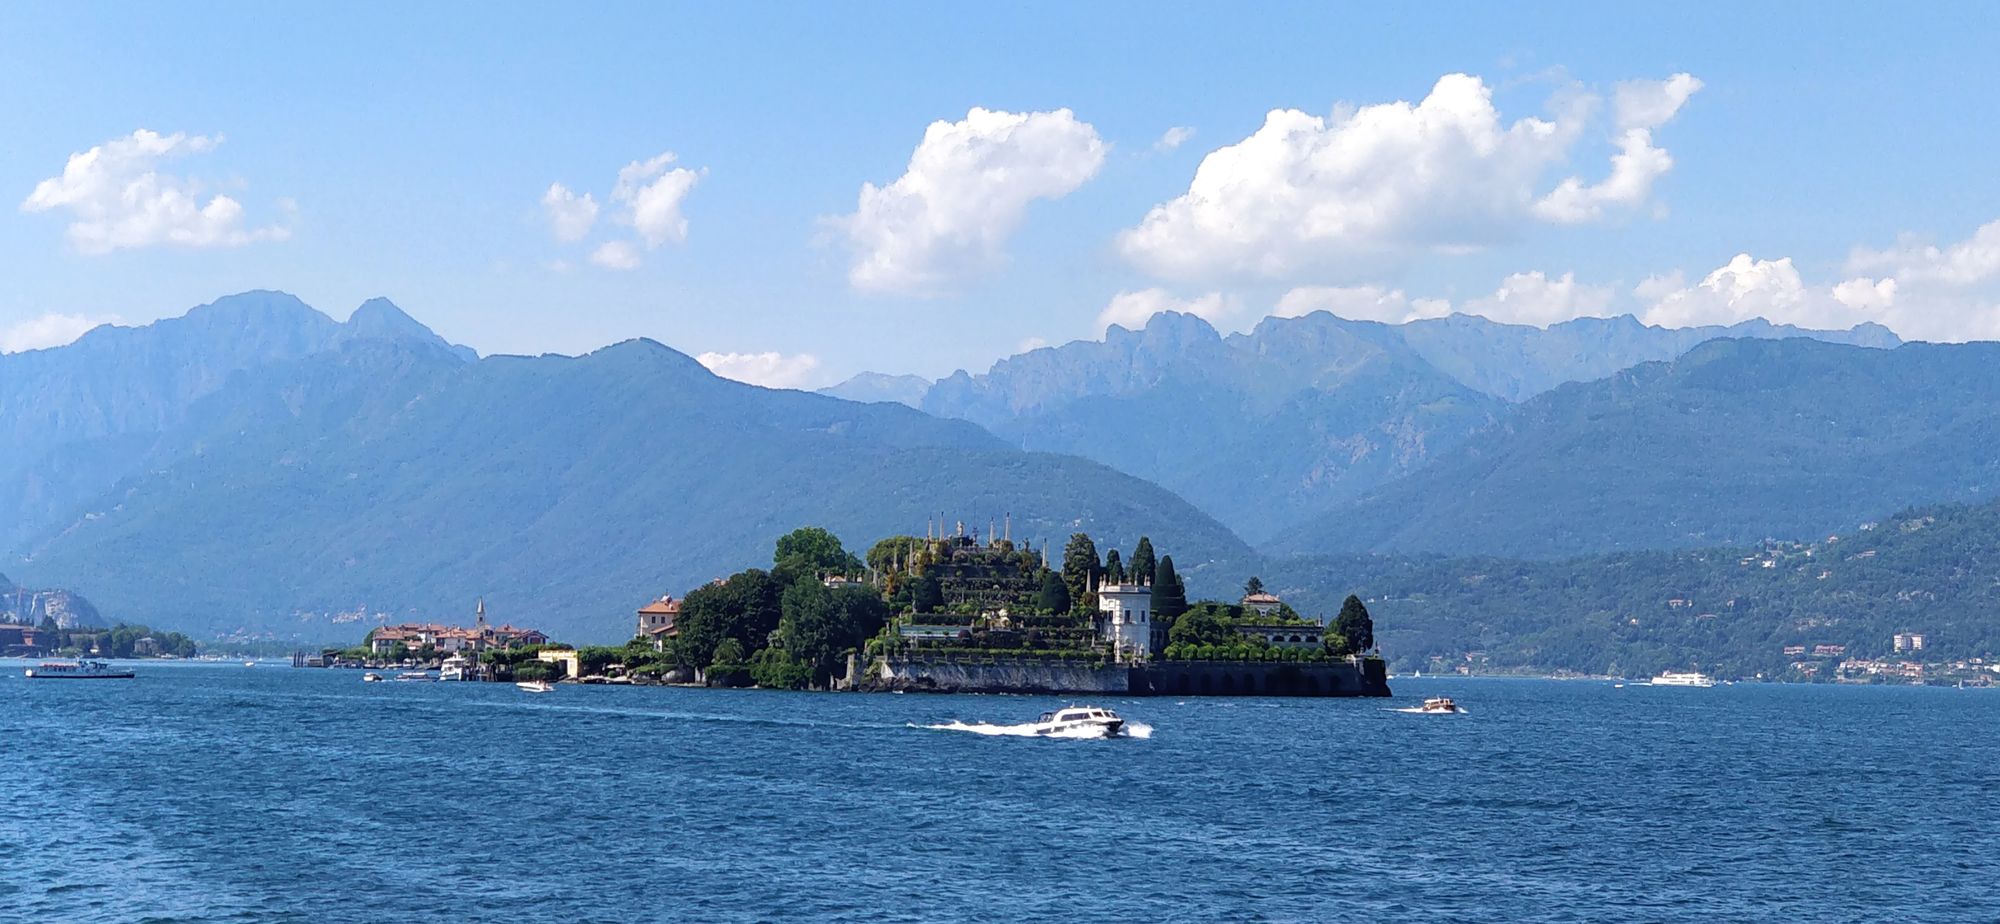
[1169,595]
[1054,596]
[1355,625]
[1142,568]
[1080,570]
[1114,569]
[926,596]
[1253,586]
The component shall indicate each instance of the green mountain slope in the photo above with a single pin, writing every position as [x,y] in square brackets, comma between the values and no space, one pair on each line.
[392,477]
[1934,570]
[1735,442]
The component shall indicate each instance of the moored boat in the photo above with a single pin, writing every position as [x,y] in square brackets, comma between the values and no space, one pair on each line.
[1079,721]
[77,670]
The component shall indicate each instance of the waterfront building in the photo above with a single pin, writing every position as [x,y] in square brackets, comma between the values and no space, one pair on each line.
[454,639]
[656,620]
[1124,619]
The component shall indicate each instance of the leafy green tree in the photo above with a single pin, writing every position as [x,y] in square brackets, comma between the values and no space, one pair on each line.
[1143,568]
[821,625]
[1114,569]
[1080,571]
[776,669]
[808,552]
[746,607]
[1201,626]
[729,666]
[1169,594]
[926,595]
[1355,625]
[885,556]
[1253,587]
[1054,595]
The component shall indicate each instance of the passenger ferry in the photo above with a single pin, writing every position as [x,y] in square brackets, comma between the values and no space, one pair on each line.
[1079,718]
[77,670]
[1687,679]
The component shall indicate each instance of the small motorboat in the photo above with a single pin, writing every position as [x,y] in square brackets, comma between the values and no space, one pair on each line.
[1079,721]
[1439,705]
[249,664]
[537,686]
[371,677]
[414,677]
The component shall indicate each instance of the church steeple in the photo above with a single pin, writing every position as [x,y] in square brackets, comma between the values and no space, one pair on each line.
[480,614]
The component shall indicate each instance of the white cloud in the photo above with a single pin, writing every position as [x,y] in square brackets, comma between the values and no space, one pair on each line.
[1365,188]
[652,191]
[118,199]
[771,370]
[1358,188]
[1741,289]
[570,215]
[965,192]
[1969,262]
[1639,107]
[1360,303]
[1173,138]
[617,255]
[1534,298]
[1131,310]
[1031,344]
[49,330]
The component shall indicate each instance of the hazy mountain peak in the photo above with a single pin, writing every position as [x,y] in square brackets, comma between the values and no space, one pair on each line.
[379,319]
[870,387]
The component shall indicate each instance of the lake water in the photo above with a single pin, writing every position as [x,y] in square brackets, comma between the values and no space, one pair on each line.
[219,793]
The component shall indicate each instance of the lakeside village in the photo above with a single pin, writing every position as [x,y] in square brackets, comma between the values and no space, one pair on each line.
[943,612]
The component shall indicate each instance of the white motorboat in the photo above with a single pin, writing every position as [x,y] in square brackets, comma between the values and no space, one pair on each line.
[1079,721]
[537,686]
[1683,679]
[371,677]
[1439,705]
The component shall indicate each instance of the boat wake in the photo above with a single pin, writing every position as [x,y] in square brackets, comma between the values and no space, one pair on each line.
[1418,710]
[1027,730]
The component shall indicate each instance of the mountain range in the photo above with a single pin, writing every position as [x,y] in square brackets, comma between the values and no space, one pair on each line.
[256,467]
[389,474]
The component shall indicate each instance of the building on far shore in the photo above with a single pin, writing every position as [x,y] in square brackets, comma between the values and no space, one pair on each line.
[1263,603]
[452,639]
[656,620]
[1909,641]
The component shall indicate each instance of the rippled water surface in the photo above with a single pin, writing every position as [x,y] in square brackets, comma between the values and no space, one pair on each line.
[213,793]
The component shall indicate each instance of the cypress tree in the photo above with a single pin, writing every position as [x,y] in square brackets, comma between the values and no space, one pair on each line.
[1080,571]
[1169,594]
[1355,625]
[1143,568]
[926,596]
[1253,586]
[1114,569]
[1054,596]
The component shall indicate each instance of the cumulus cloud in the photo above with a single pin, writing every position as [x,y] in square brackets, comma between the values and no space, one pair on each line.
[1173,138]
[1970,262]
[1739,290]
[570,215]
[652,191]
[965,192]
[771,370]
[1360,303]
[1349,189]
[49,330]
[1367,187]
[616,255]
[1534,298]
[1639,107]
[117,198]
[1131,310]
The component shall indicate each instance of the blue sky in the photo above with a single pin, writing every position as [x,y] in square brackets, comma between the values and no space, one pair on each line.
[1844,152]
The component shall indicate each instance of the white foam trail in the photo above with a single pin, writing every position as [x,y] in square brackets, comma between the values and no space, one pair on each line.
[1415,710]
[1027,730]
